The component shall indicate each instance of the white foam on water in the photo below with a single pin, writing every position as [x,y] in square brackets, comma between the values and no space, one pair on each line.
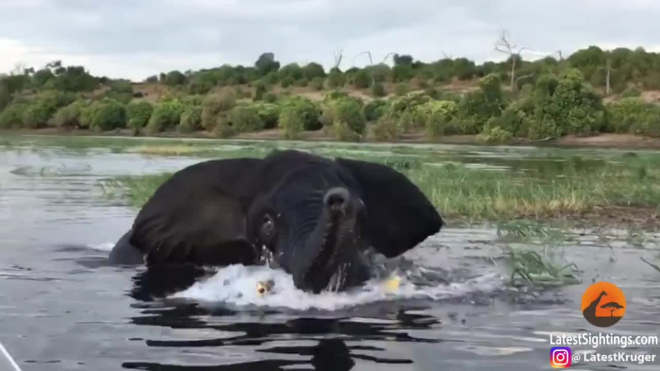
[107,246]
[236,285]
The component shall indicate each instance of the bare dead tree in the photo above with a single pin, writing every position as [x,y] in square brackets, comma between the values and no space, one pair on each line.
[561,56]
[503,45]
[447,56]
[371,61]
[339,55]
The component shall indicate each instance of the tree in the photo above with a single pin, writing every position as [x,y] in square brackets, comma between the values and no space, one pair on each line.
[267,63]
[503,45]
[612,306]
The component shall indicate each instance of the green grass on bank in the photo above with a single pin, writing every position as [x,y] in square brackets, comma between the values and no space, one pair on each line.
[476,194]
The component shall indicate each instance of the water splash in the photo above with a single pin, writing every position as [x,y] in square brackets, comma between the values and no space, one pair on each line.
[236,286]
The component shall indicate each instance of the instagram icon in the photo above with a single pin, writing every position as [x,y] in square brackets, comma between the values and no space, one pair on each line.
[560,357]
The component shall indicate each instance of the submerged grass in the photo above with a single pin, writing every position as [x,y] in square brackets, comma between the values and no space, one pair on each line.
[479,194]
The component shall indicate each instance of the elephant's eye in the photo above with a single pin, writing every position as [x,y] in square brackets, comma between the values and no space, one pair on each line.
[267,226]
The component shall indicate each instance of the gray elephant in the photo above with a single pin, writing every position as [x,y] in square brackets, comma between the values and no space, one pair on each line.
[315,218]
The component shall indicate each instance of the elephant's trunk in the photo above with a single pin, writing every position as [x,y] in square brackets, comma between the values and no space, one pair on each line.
[328,258]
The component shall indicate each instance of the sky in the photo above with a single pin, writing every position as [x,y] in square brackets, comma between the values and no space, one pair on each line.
[134,39]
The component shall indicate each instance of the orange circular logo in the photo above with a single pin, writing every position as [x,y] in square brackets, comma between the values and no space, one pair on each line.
[603,304]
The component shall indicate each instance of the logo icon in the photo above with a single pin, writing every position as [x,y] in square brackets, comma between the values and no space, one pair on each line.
[603,304]
[560,357]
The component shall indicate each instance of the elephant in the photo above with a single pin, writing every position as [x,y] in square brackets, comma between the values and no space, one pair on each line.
[315,217]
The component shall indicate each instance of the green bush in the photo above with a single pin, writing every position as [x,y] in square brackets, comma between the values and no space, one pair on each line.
[650,123]
[270,97]
[291,122]
[106,114]
[362,79]
[44,106]
[438,117]
[336,79]
[259,92]
[302,83]
[401,89]
[406,103]
[5,96]
[12,115]
[385,129]
[652,81]
[344,132]
[166,115]
[626,114]
[305,108]
[287,82]
[191,119]
[215,108]
[138,114]
[198,86]
[349,112]
[69,116]
[477,107]
[374,110]
[318,83]
[495,135]
[269,113]
[378,90]
[631,92]
[245,119]
[36,115]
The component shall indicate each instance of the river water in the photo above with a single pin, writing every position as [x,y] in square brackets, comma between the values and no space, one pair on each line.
[63,308]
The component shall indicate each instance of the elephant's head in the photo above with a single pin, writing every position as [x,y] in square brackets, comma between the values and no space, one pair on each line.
[313,217]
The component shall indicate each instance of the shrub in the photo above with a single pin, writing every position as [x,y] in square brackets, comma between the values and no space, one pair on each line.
[191,119]
[318,83]
[166,115]
[626,114]
[259,92]
[305,109]
[138,114]
[5,96]
[287,82]
[214,108]
[652,81]
[336,79]
[291,122]
[343,131]
[631,92]
[268,112]
[198,86]
[245,119]
[378,89]
[302,83]
[374,110]
[650,123]
[270,97]
[362,79]
[406,103]
[349,112]
[495,135]
[12,115]
[36,115]
[43,107]
[106,114]
[438,117]
[401,89]
[477,107]
[385,129]
[69,116]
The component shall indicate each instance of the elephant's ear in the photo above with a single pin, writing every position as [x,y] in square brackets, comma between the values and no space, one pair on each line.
[198,215]
[399,215]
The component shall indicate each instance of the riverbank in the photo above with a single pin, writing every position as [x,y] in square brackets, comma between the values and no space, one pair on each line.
[603,141]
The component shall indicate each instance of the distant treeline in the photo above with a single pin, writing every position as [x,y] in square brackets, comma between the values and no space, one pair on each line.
[538,99]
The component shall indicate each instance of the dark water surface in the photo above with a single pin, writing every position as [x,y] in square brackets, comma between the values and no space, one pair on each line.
[63,308]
